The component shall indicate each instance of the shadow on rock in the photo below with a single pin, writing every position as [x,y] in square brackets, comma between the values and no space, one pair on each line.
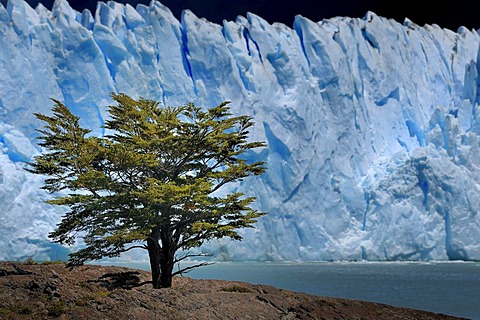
[123,280]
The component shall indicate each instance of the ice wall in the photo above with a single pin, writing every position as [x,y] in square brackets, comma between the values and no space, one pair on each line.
[372,125]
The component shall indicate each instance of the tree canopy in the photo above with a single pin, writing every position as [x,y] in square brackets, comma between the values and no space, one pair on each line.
[153,181]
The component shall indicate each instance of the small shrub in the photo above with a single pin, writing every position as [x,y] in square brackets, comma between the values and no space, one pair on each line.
[236,288]
[52,262]
[103,293]
[30,261]
[56,309]
[22,309]
[84,300]
[81,302]
[84,284]
[91,297]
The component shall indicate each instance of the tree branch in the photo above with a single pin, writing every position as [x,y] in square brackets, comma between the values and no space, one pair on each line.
[135,247]
[188,269]
[193,255]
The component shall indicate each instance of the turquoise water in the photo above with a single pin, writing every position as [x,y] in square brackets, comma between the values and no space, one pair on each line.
[451,288]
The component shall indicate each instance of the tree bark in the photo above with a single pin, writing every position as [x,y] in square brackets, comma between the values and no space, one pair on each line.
[166,266]
[154,253]
[167,258]
[162,258]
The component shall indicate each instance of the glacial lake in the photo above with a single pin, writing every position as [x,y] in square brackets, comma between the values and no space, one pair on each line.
[451,288]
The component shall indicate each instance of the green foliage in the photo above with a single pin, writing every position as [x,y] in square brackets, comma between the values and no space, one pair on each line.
[56,309]
[21,308]
[30,261]
[50,262]
[236,288]
[155,175]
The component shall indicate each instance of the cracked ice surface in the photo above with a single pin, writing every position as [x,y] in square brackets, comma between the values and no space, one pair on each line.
[372,125]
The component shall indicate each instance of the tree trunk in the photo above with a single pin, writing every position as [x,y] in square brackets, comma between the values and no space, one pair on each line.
[162,259]
[154,253]
[167,259]
[166,266]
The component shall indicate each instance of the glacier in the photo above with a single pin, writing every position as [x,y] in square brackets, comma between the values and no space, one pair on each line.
[372,126]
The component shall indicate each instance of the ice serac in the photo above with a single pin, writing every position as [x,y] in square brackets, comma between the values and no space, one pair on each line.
[372,126]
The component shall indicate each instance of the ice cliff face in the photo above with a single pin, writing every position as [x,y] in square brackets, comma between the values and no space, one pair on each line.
[372,126]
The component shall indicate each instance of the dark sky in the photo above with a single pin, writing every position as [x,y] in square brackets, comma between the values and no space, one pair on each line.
[449,14]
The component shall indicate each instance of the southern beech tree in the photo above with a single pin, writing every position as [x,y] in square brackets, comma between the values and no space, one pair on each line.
[153,181]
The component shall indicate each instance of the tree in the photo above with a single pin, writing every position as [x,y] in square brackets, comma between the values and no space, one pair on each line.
[153,181]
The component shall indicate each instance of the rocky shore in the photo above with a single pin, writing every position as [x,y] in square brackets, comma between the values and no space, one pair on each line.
[52,291]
